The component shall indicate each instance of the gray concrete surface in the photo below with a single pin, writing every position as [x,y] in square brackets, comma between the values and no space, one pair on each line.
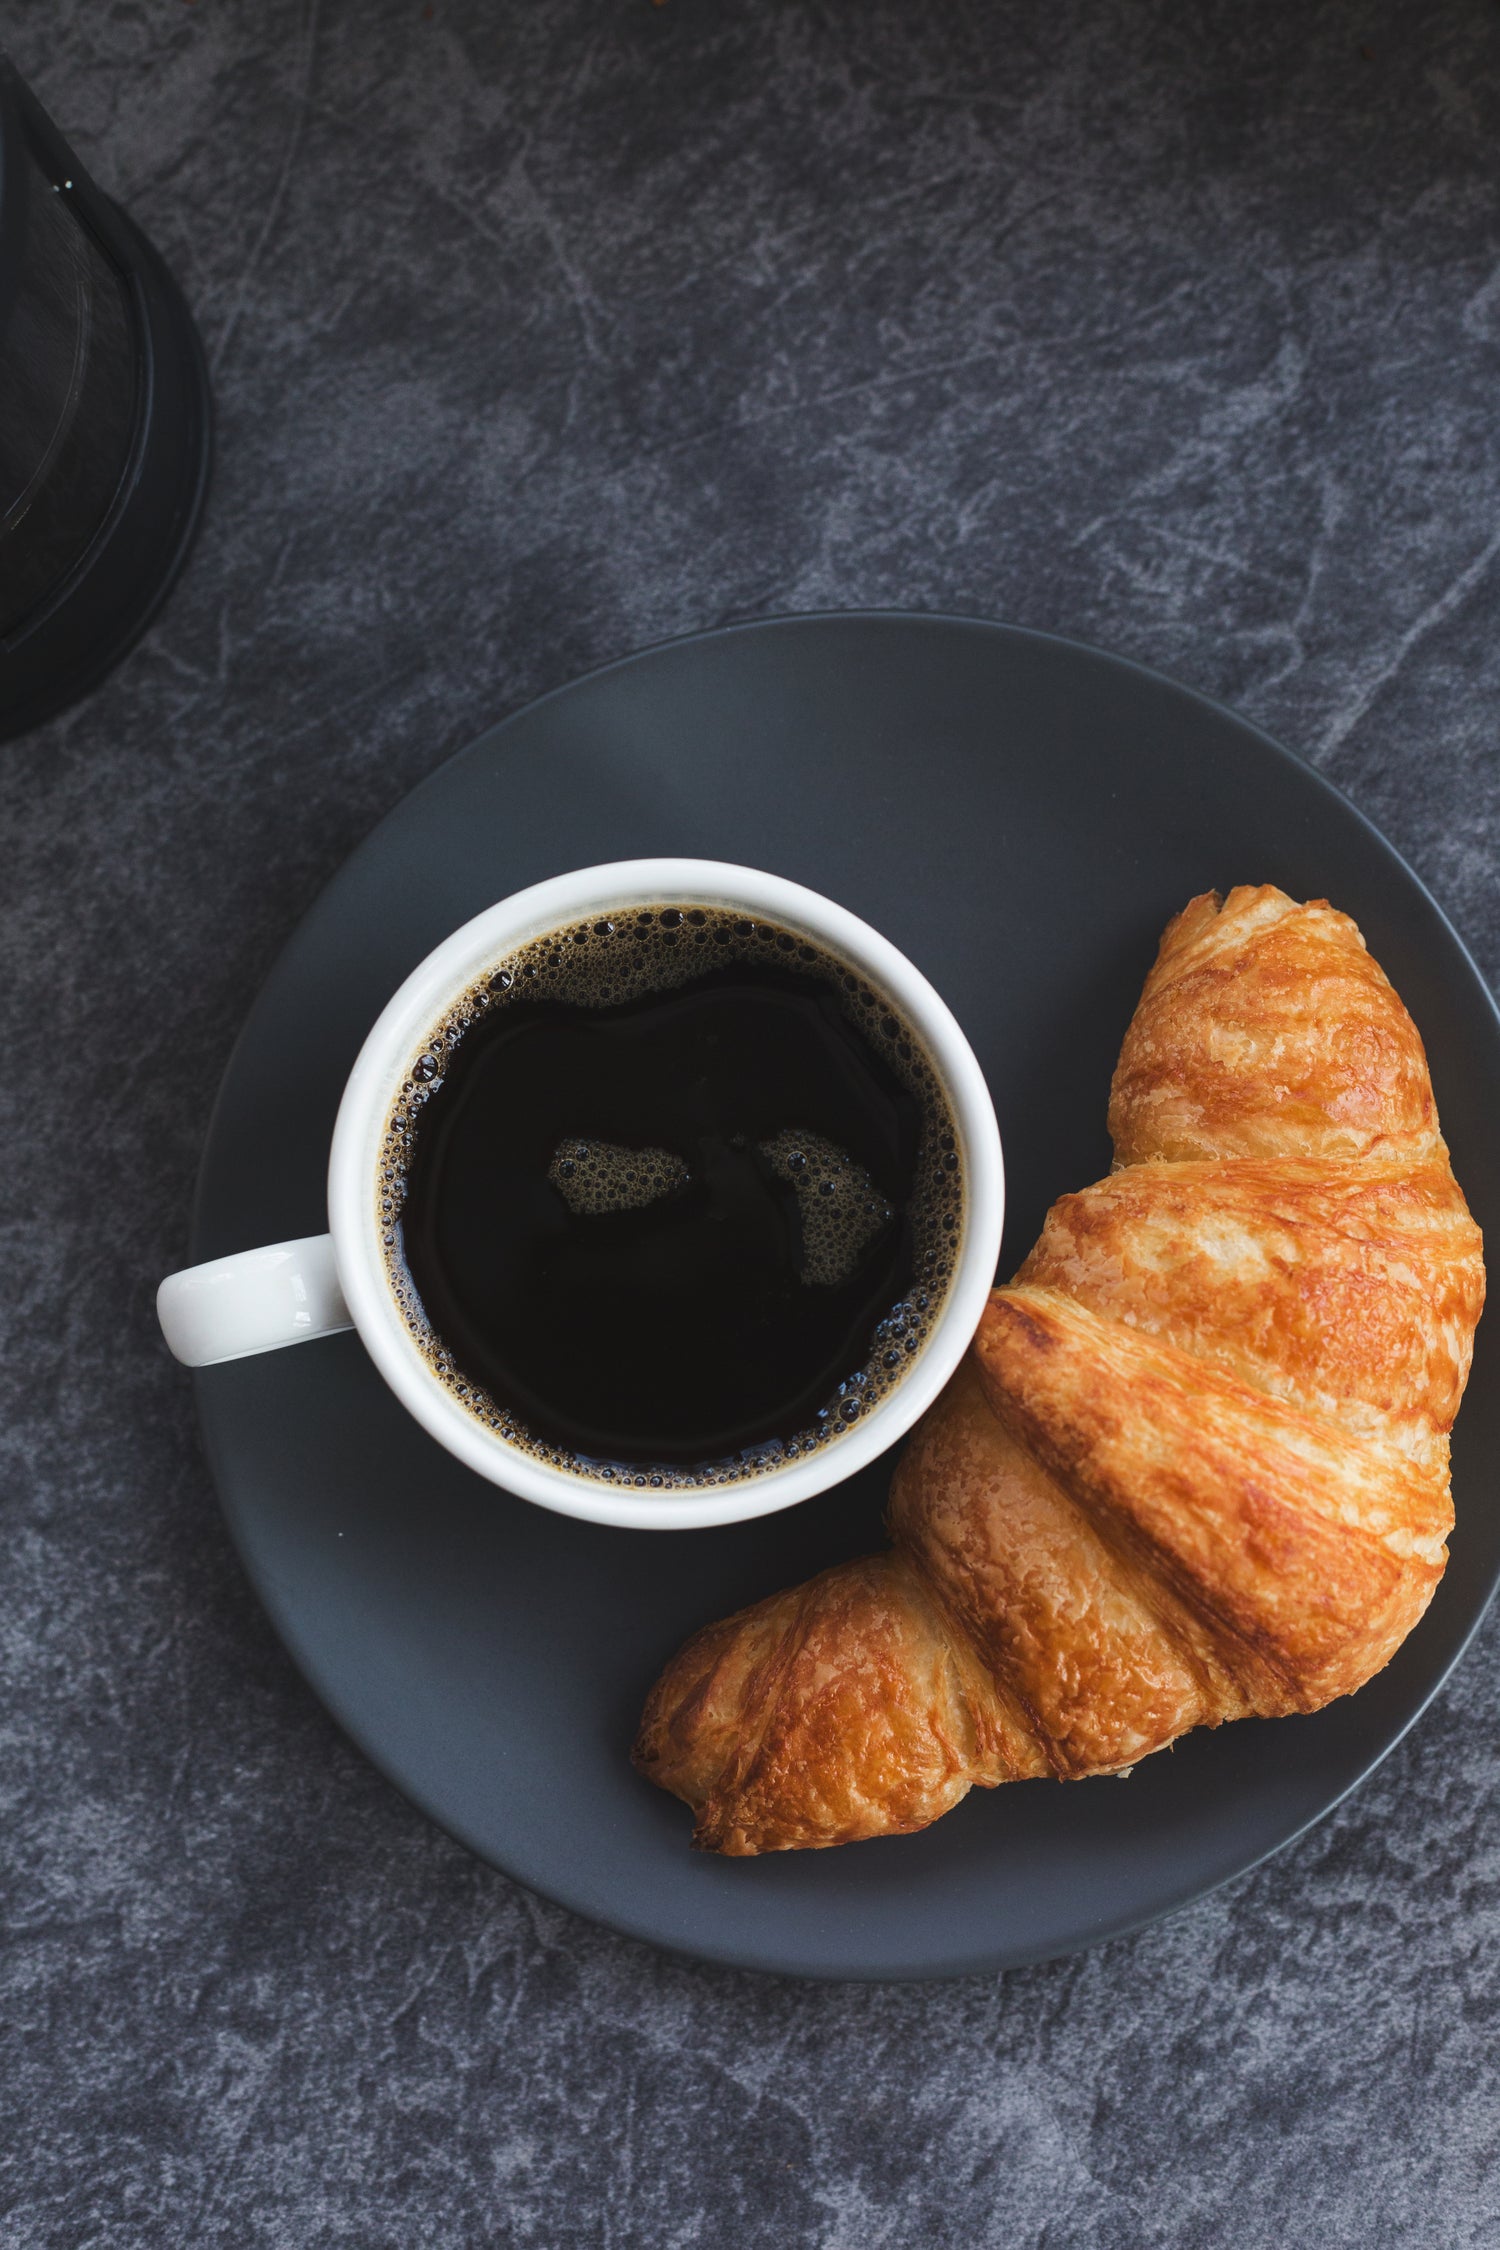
[539,332]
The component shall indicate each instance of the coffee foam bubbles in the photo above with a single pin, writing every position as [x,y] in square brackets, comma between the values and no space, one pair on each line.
[840,1207]
[593,1177]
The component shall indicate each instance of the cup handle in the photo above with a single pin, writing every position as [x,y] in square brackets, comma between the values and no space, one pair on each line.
[256,1301]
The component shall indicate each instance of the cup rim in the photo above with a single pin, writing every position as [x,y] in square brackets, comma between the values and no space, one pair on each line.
[396,1038]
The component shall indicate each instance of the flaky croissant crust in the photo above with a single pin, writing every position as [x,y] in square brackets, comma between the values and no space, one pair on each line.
[1195,1466]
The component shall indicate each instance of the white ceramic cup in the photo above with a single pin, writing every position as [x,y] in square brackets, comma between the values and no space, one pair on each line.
[289,1292]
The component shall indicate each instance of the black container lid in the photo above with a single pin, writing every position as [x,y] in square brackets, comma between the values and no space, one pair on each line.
[103,601]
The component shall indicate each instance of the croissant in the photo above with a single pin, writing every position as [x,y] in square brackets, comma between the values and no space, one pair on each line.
[1195,1464]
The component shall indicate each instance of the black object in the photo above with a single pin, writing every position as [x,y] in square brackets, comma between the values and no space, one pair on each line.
[104,422]
[1021,816]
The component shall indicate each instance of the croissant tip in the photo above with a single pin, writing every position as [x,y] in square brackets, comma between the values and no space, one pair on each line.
[710,1839]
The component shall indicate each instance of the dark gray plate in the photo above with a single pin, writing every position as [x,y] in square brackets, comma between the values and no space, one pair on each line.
[1021,816]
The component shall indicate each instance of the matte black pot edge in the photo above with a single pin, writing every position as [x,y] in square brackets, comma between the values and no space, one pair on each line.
[120,582]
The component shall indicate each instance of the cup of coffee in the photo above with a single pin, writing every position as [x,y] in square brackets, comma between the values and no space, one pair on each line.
[664,1194]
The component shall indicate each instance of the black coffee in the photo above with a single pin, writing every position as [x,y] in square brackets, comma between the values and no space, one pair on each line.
[671,1197]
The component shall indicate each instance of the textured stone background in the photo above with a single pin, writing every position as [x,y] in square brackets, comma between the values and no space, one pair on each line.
[540,331]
